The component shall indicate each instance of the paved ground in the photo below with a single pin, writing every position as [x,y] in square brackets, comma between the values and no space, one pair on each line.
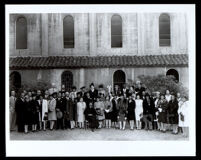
[99,134]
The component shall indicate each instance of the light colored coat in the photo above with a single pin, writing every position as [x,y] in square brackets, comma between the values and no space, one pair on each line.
[184,110]
[52,111]
[12,113]
[80,111]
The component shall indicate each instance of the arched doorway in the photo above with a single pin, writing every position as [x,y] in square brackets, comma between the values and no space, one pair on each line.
[119,78]
[174,73]
[15,80]
[67,80]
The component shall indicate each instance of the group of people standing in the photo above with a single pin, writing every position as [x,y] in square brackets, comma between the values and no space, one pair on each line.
[99,108]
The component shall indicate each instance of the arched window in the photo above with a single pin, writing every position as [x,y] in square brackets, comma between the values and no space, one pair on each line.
[68,31]
[119,78]
[21,33]
[67,80]
[173,72]
[15,80]
[116,31]
[164,30]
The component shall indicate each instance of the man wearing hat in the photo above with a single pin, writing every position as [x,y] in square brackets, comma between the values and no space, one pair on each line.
[74,92]
[60,111]
[82,92]
[53,89]
[139,89]
[93,92]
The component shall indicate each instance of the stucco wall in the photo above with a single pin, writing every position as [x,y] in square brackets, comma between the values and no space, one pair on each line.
[93,34]
[33,35]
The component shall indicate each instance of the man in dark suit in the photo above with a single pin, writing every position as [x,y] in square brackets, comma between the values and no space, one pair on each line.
[19,108]
[139,89]
[125,90]
[93,92]
[82,92]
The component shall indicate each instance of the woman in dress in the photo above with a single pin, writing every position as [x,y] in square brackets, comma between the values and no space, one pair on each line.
[43,103]
[71,112]
[156,102]
[81,106]
[100,108]
[108,110]
[52,117]
[114,111]
[183,112]
[34,106]
[131,112]
[162,117]
[122,105]
[27,114]
[173,113]
[138,111]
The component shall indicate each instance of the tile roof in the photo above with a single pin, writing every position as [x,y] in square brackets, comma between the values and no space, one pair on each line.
[51,62]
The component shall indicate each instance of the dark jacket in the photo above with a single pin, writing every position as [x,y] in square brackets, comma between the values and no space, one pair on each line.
[172,111]
[19,108]
[93,94]
[148,108]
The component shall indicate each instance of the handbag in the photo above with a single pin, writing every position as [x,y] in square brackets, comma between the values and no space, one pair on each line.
[59,115]
[182,117]
[45,116]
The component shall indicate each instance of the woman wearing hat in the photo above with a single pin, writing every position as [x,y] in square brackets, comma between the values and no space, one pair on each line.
[27,114]
[172,113]
[114,112]
[131,112]
[156,103]
[162,117]
[138,111]
[52,117]
[122,106]
[108,110]
[34,105]
[81,106]
[183,112]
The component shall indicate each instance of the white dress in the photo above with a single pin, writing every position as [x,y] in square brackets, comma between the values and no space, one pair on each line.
[156,105]
[168,97]
[184,109]
[44,108]
[80,111]
[138,109]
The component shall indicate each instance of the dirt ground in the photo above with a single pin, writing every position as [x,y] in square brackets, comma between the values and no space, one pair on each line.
[99,134]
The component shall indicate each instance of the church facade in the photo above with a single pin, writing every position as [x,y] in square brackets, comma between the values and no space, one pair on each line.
[103,48]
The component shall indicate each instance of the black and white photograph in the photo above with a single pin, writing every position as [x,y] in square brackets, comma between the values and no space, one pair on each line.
[100,80]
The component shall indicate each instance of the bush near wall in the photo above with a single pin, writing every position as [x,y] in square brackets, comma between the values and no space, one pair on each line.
[39,85]
[161,83]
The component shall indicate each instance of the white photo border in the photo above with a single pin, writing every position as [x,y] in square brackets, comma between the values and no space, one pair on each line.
[106,148]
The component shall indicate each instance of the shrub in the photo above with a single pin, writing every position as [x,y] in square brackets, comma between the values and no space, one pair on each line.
[161,83]
[39,85]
